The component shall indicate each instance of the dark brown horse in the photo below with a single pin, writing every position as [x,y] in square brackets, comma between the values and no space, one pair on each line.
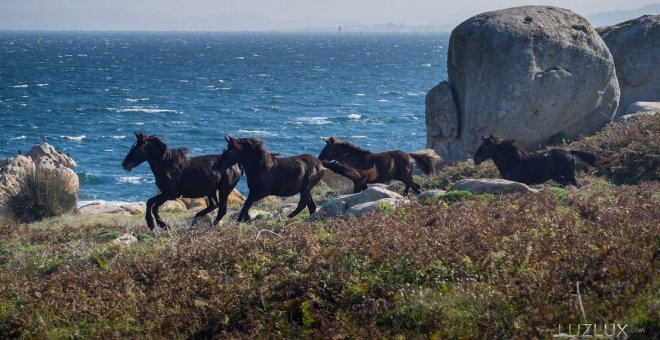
[179,176]
[516,164]
[377,167]
[270,175]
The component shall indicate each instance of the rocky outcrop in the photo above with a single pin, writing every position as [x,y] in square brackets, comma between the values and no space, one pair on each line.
[525,73]
[371,199]
[635,47]
[492,186]
[112,209]
[40,157]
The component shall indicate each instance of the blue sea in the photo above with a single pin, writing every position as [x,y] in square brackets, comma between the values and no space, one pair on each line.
[86,93]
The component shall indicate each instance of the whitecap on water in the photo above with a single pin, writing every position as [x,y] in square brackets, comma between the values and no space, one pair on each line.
[20,86]
[19,138]
[74,138]
[426,65]
[354,116]
[359,137]
[131,180]
[360,94]
[258,133]
[312,120]
[142,109]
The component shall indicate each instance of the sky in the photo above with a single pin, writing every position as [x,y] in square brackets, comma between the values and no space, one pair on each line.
[259,15]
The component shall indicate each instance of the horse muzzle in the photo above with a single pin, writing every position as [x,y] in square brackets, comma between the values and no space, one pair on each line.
[126,166]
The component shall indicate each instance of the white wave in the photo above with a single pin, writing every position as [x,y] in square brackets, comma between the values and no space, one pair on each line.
[412,94]
[426,65]
[354,116]
[43,84]
[142,109]
[258,132]
[118,137]
[240,58]
[312,120]
[131,180]
[109,150]
[74,138]
[139,123]
[19,138]
[134,100]
[360,94]
[20,86]
[383,100]
[359,137]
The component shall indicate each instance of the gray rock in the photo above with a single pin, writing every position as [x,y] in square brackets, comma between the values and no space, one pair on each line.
[643,107]
[363,208]
[635,47]
[492,186]
[112,209]
[341,205]
[525,73]
[441,115]
[125,239]
[430,194]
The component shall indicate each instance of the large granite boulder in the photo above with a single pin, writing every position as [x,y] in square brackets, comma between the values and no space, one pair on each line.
[635,47]
[41,157]
[525,73]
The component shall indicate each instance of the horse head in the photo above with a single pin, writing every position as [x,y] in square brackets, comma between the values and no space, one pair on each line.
[486,149]
[329,152]
[143,148]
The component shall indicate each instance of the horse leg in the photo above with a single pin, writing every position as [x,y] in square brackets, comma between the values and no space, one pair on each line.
[304,196]
[222,205]
[159,200]
[212,205]
[357,187]
[311,205]
[148,217]
[245,211]
[408,181]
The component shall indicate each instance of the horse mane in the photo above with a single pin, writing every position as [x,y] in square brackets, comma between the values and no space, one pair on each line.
[174,160]
[351,147]
[510,146]
[264,157]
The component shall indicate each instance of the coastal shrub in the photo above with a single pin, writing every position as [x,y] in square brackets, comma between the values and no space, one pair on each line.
[40,194]
[449,175]
[454,195]
[629,150]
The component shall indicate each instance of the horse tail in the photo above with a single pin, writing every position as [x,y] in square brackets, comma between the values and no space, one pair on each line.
[426,161]
[586,157]
[342,169]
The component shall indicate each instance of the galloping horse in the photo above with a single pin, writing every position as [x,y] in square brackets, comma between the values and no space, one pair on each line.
[377,167]
[516,164]
[179,176]
[269,175]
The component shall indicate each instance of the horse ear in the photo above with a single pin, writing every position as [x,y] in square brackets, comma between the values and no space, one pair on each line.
[330,140]
[139,136]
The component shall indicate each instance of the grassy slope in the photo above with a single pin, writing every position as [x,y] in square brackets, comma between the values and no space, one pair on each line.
[481,266]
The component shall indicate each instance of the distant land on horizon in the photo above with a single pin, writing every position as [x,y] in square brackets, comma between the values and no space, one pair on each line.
[615,17]
[117,20]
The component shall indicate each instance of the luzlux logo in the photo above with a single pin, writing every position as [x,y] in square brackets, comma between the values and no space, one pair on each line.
[589,330]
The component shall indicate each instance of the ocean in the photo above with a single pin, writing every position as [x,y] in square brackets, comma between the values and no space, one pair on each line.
[86,93]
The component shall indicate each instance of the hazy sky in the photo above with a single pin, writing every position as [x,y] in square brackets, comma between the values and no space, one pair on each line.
[262,14]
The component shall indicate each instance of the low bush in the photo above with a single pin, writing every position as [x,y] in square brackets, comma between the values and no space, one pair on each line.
[40,194]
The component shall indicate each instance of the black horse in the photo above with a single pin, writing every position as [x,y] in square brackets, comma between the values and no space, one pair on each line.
[270,175]
[179,176]
[377,167]
[516,164]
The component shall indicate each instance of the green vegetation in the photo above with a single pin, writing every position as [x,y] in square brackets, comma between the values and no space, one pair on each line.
[478,266]
[40,194]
